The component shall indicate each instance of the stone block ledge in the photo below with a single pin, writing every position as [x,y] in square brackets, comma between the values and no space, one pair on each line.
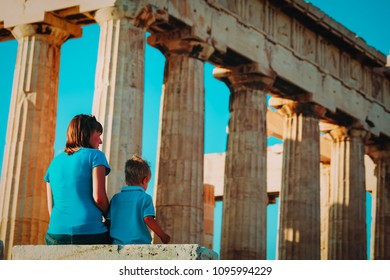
[113,252]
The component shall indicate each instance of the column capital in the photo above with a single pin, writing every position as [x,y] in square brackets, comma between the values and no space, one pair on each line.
[141,13]
[245,76]
[27,30]
[58,29]
[341,133]
[289,107]
[182,42]
[378,151]
[107,14]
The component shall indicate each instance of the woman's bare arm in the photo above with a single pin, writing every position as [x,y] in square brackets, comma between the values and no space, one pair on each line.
[99,188]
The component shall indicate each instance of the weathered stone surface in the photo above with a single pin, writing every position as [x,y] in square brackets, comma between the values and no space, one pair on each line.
[299,222]
[335,76]
[113,252]
[324,208]
[30,135]
[179,190]
[347,199]
[380,242]
[214,166]
[341,73]
[245,185]
[119,91]
[208,215]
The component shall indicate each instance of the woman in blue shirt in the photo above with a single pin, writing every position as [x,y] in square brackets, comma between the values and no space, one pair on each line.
[76,188]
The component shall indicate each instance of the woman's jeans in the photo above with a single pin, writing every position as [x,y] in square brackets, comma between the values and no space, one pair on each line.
[63,239]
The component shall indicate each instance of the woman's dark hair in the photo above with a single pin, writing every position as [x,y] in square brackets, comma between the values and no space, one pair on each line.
[79,131]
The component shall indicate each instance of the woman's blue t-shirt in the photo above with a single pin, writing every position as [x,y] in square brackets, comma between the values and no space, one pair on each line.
[70,177]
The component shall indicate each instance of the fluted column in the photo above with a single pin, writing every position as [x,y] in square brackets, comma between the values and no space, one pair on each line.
[245,184]
[119,89]
[299,221]
[208,216]
[380,237]
[324,212]
[347,200]
[179,190]
[30,134]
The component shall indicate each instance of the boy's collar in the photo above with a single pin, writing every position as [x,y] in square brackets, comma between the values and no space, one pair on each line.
[132,188]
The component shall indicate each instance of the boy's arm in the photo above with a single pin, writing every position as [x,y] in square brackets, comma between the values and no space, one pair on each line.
[153,225]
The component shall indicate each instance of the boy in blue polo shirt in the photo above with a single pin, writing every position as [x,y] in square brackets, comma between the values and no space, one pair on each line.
[132,211]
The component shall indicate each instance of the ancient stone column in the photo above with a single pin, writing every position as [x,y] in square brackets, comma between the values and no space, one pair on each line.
[208,216]
[299,220]
[324,211]
[380,245]
[179,189]
[347,200]
[30,133]
[245,187]
[119,90]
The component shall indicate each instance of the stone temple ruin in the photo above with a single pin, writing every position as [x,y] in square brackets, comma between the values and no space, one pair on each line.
[321,77]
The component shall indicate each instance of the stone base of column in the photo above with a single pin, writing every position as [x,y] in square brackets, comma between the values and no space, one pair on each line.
[113,252]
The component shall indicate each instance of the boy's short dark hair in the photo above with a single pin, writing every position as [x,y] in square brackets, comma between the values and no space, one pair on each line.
[136,169]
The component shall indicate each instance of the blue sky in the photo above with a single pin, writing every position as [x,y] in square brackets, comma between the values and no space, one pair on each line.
[368,19]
